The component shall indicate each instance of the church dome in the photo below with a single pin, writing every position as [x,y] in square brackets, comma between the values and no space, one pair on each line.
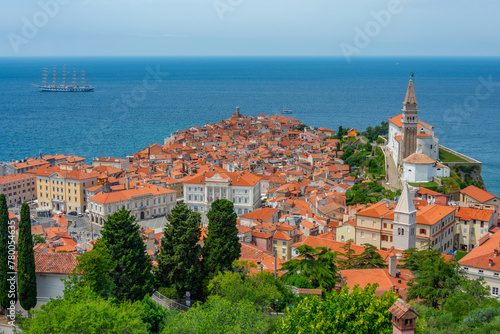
[419,159]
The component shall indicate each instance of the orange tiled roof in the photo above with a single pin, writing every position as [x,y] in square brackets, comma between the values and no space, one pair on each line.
[467,214]
[484,255]
[264,214]
[431,214]
[477,194]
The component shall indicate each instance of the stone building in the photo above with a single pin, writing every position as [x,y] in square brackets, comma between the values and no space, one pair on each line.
[144,201]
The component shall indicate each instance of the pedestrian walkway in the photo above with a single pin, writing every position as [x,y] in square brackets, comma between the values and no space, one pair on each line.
[167,303]
[393,182]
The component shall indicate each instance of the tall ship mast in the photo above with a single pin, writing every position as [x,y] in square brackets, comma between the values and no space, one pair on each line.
[64,88]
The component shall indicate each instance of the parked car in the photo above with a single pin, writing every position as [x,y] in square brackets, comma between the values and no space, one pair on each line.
[80,215]
[73,213]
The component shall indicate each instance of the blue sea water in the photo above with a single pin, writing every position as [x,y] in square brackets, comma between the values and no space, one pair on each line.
[132,107]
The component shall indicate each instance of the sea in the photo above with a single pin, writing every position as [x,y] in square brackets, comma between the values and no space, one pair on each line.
[141,100]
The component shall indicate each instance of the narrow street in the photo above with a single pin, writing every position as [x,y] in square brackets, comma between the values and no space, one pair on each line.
[393,182]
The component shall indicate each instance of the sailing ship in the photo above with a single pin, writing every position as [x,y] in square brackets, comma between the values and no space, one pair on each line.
[64,88]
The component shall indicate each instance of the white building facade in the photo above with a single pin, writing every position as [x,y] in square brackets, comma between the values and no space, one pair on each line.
[143,202]
[243,189]
[419,167]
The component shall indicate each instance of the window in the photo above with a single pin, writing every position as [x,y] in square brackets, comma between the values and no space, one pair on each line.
[385,225]
[481,271]
[495,275]
[494,291]
[362,234]
[275,242]
[423,231]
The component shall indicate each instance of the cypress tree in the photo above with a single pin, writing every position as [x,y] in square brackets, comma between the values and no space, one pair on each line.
[179,261]
[4,252]
[222,246]
[131,266]
[26,261]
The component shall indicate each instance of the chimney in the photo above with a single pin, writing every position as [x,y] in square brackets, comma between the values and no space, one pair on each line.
[127,183]
[51,244]
[393,262]
[496,250]
[490,262]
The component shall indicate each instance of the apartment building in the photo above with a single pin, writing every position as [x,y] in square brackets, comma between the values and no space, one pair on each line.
[471,225]
[484,261]
[403,227]
[144,201]
[18,188]
[480,199]
[63,190]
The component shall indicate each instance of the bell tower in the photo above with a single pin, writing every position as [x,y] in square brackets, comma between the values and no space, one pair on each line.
[405,220]
[410,122]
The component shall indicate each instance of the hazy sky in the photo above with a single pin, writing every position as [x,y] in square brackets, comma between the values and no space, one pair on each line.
[249,27]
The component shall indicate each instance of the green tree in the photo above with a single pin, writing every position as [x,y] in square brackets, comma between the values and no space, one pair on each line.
[220,315]
[369,258]
[179,260]
[258,288]
[4,253]
[349,255]
[85,314]
[92,271]
[316,264]
[355,311]
[222,245]
[153,315]
[436,279]
[131,267]
[38,239]
[470,294]
[26,261]
[299,281]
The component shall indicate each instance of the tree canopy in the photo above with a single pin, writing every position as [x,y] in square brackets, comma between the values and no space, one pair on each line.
[256,288]
[179,260]
[130,266]
[222,245]
[26,261]
[435,277]
[219,316]
[355,311]
[85,314]
[369,258]
[92,271]
[315,264]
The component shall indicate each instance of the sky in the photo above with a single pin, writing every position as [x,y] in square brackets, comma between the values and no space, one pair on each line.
[249,28]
